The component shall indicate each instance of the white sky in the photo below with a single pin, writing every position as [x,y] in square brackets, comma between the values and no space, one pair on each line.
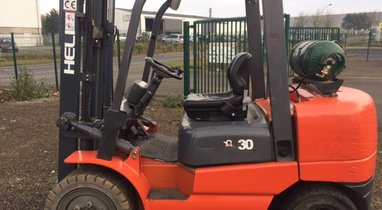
[233,8]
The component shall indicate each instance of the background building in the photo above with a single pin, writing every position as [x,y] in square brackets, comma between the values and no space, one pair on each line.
[172,23]
[22,17]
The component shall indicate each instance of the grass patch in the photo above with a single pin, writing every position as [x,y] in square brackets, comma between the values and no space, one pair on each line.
[26,88]
[174,64]
[4,95]
[178,63]
[173,101]
[27,58]
[142,47]
[360,41]
[43,56]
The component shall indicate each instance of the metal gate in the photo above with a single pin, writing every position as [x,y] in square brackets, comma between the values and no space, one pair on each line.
[216,41]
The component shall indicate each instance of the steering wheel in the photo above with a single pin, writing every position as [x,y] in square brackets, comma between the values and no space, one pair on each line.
[164,70]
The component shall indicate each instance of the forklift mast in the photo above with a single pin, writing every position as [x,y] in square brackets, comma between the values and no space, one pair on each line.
[86,87]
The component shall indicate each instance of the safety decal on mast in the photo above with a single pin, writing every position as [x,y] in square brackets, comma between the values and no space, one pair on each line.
[69,36]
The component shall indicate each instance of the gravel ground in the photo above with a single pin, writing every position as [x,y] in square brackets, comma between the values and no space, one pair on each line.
[28,151]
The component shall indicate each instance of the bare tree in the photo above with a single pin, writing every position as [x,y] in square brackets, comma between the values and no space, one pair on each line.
[301,20]
[316,18]
[328,19]
[375,17]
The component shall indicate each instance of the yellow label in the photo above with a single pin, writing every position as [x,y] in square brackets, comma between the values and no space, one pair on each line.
[380,25]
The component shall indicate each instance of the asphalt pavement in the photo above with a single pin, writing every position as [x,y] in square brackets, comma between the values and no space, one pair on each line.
[372,86]
[47,72]
[374,53]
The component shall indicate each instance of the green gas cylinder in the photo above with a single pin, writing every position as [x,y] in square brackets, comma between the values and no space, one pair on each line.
[317,60]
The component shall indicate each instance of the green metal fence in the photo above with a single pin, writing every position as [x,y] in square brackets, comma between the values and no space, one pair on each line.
[36,52]
[298,34]
[216,41]
[215,44]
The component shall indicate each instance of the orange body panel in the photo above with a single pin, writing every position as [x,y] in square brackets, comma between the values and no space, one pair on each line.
[223,187]
[129,168]
[339,171]
[336,128]
[163,175]
[336,136]
[251,179]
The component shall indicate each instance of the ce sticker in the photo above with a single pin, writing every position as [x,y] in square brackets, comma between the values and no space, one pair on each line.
[70,4]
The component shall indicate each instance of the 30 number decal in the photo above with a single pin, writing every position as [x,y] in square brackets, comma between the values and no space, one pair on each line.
[246,144]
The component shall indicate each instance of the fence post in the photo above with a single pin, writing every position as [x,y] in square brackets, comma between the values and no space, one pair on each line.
[368,45]
[118,49]
[55,61]
[14,55]
[287,25]
[345,41]
[195,57]
[186,58]
[287,42]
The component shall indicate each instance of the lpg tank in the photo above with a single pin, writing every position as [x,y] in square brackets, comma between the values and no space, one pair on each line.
[318,60]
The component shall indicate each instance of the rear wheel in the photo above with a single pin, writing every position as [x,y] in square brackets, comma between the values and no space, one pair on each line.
[318,198]
[86,189]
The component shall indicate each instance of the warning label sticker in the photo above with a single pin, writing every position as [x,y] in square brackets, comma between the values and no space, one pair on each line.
[69,21]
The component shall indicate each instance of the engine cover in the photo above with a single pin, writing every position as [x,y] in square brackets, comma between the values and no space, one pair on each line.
[231,142]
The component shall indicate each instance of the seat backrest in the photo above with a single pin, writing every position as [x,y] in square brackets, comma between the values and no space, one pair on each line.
[237,73]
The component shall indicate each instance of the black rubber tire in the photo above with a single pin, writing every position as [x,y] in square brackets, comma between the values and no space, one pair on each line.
[318,197]
[83,185]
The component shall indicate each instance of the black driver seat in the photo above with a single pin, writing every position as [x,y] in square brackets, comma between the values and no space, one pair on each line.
[223,106]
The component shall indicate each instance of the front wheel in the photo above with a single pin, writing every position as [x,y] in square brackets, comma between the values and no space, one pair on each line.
[318,198]
[87,189]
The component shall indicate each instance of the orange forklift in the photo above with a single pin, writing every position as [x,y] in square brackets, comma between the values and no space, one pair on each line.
[268,143]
